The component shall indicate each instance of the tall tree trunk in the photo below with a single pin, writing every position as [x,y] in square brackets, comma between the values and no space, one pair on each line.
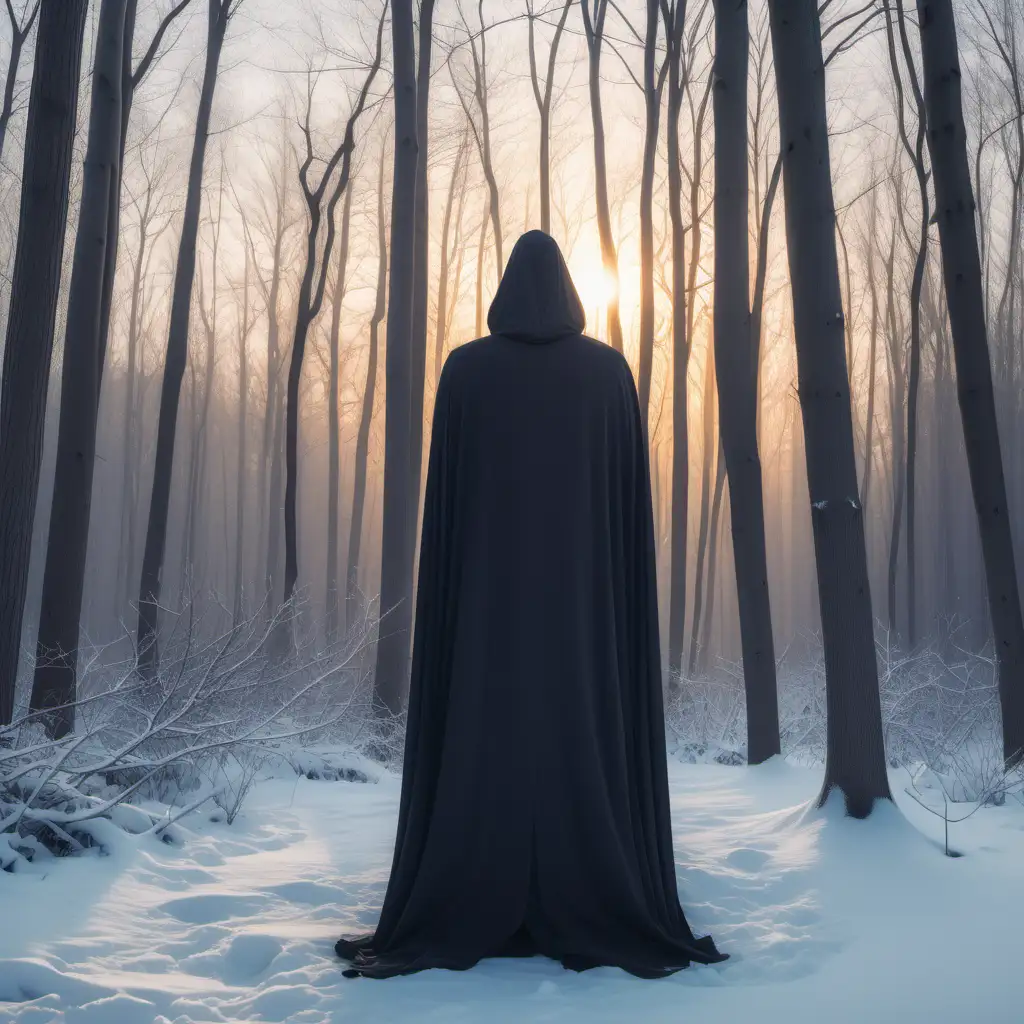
[54,683]
[441,327]
[947,144]
[897,390]
[421,267]
[35,286]
[710,446]
[543,100]
[680,365]
[736,359]
[916,154]
[366,417]
[652,83]
[855,759]
[334,425]
[312,289]
[177,350]
[244,327]
[594,28]
[396,548]
[714,535]
[480,252]
[129,440]
[869,423]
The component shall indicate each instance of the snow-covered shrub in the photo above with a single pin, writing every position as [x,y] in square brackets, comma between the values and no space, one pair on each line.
[218,710]
[940,714]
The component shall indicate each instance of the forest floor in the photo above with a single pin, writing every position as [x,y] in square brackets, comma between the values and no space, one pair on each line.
[827,919]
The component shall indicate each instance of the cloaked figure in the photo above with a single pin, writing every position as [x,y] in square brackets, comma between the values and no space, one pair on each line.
[534,815]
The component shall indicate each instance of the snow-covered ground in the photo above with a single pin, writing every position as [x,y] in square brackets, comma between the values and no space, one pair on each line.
[827,919]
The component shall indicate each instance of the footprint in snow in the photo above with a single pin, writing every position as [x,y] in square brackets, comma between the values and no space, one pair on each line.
[211,907]
[747,860]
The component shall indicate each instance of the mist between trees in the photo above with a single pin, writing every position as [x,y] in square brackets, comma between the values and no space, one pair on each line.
[242,178]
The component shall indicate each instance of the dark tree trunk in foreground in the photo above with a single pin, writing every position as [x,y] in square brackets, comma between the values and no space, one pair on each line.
[355,536]
[220,12]
[954,201]
[397,550]
[46,175]
[736,372]
[19,33]
[91,294]
[334,426]
[855,759]
[85,345]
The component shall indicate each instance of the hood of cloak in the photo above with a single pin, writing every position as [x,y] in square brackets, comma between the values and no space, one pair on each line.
[536,300]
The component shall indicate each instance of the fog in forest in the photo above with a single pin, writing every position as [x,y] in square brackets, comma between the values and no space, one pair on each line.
[293,76]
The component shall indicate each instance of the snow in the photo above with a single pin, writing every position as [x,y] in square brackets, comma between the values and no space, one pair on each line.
[826,918]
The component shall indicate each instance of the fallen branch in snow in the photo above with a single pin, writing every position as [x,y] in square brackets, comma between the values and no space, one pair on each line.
[200,730]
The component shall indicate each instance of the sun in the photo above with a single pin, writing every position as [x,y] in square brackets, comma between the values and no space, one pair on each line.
[596,286]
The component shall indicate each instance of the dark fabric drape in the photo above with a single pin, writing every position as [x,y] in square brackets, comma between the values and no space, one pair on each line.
[534,815]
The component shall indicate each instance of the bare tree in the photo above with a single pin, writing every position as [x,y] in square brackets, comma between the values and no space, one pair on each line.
[593,24]
[369,393]
[653,82]
[63,580]
[314,283]
[916,153]
[334,422]
[421,263]
[45,181]
[736,364]
[457,183]
[246,316]
[19,33]
[397,548]
[675,14]
[482,134]
[220,15]
[543,100]
[961,265]
[855,760]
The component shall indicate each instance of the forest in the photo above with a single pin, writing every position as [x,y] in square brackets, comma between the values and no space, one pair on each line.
[239,239]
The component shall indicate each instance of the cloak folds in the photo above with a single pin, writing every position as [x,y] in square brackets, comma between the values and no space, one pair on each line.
[534,815]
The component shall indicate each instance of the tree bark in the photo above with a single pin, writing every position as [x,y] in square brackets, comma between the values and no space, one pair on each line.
[441,327]
[366,417]
[396,550]
[421,265]
[855,759]
[543,100]
[680,363]
[652,84]
[35,286]
[736,359]
[54,682]
[311,292]
[177,349]
[594,29]
[954,201]
[334,426]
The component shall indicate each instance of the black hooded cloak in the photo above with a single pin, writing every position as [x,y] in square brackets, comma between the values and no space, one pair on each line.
[534,814]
